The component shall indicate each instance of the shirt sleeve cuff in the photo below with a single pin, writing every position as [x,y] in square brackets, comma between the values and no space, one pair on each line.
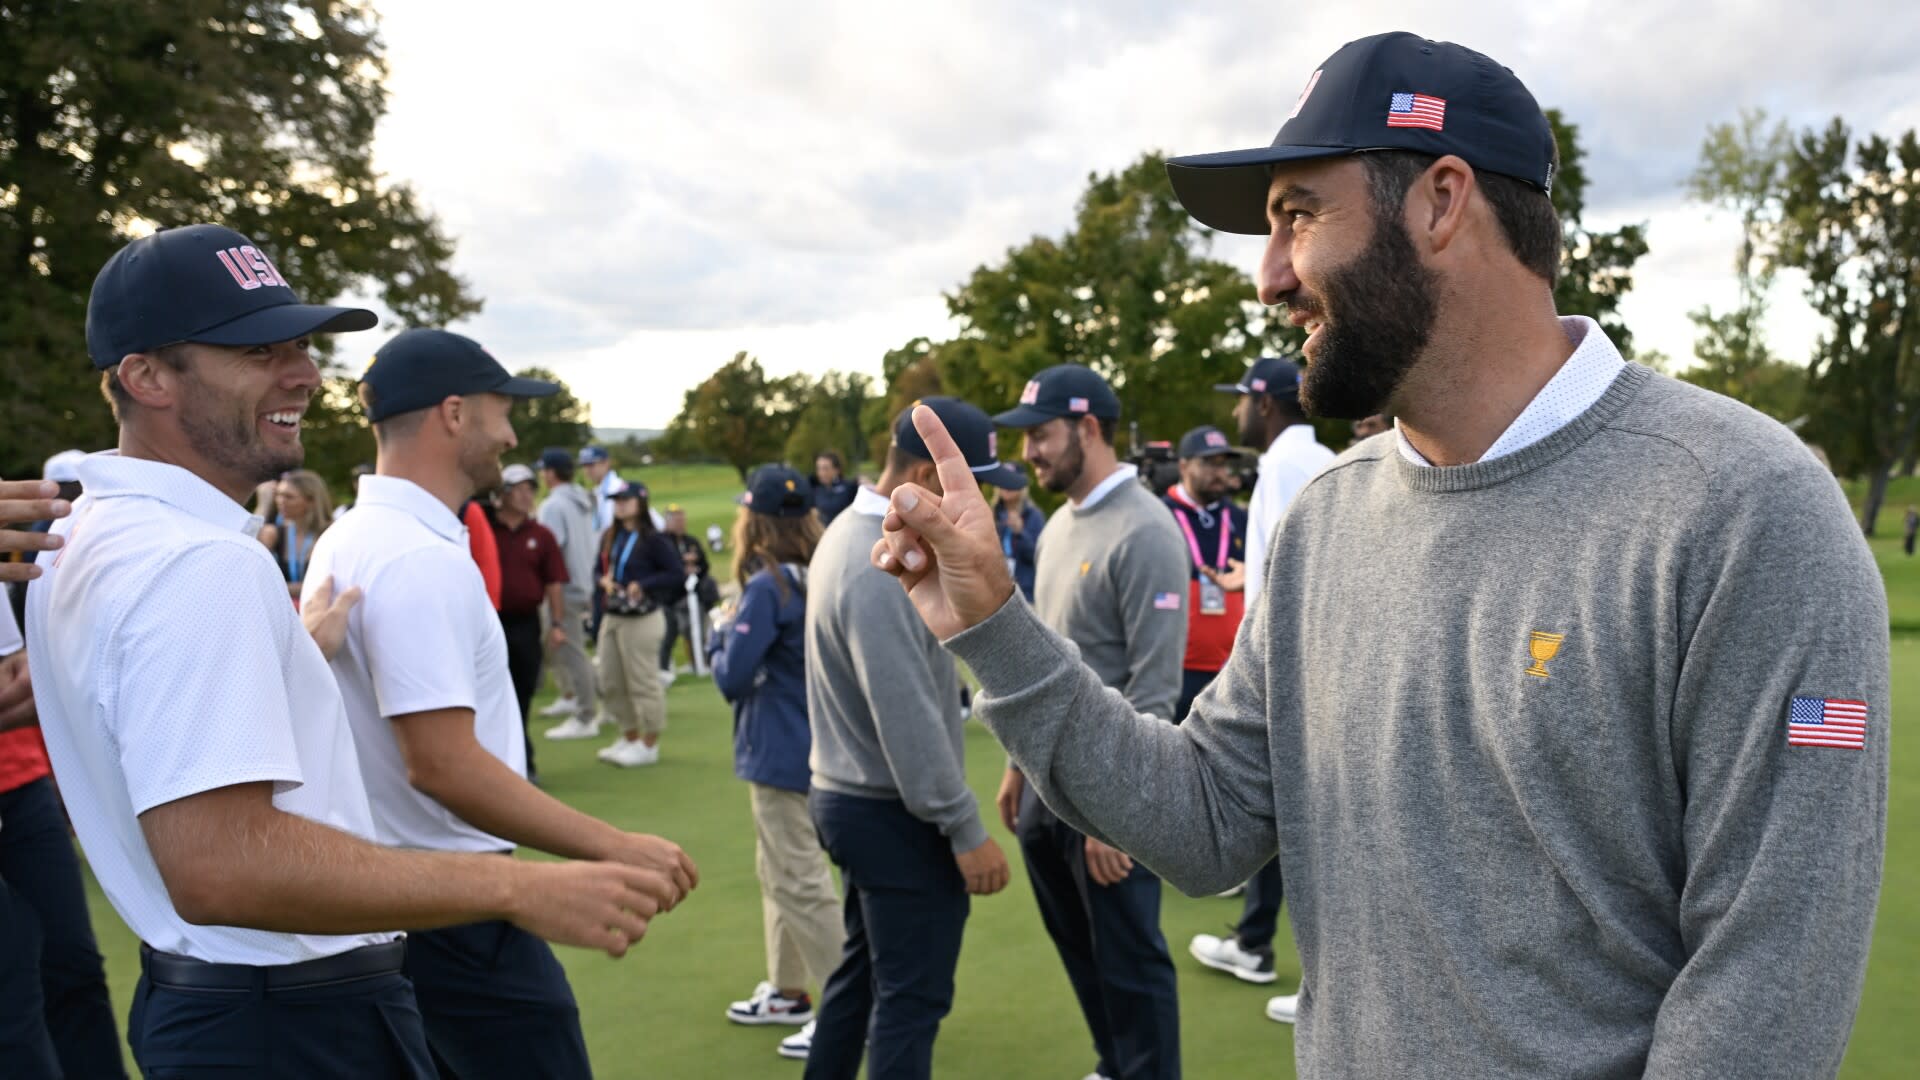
[1011,650]
[968,834]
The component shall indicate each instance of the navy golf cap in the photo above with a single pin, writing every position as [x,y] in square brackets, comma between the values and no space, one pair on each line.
[1062,390]
[1206,441]
[555,458]
[971,430]
[778,491]
[593,455]
[629,489]
[1387,92]
[1269,375]
[421,368]
[202,283]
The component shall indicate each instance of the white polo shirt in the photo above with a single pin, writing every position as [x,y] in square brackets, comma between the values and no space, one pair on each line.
[167,661]
[424,637]
[10,642]
[1295,457]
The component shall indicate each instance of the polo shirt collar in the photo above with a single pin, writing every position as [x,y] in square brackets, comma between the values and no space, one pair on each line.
[870,502]
[410,498]
[108,475]
[1293,435]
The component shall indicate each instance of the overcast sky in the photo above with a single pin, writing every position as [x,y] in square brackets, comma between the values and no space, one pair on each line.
[640,190]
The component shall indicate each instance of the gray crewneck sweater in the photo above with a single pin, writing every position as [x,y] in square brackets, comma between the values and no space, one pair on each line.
[883,698]
[1592,855]
[1112,579]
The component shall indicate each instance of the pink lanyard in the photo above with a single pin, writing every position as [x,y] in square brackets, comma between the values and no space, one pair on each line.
[1193,542]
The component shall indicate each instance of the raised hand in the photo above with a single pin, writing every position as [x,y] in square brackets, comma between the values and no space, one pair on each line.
[944,548]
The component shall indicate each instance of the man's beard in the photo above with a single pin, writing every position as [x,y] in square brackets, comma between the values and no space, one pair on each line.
[480,464]
[226,434]
[1073,461]
[1378,313]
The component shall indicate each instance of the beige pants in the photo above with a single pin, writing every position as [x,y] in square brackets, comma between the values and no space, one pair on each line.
[630,690]
[798,906]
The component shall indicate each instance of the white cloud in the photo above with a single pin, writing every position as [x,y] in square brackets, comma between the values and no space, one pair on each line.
[639,191]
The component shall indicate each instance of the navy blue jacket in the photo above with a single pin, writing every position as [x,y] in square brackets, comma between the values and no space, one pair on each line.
[760,665]
[1019,546]
[830,499]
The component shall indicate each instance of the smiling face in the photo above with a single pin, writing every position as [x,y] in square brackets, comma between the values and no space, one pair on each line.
[239,407]
[486,432]
[1353,279]
[1055,452]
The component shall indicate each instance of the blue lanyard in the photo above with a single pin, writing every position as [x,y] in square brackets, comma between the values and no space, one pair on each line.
[620,569]
[293,552]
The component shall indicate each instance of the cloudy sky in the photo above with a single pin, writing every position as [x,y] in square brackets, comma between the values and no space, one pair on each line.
[640,190]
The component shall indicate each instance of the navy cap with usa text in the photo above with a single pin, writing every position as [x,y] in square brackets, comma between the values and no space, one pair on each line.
[205,284]
[1207,441]
[1069,390]
[1393,91]
[1273,376]
[778,491]
[421,368]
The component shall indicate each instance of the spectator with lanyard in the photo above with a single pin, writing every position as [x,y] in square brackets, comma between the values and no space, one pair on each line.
[760,666]
[1215,531]
[302,511]
[640,573]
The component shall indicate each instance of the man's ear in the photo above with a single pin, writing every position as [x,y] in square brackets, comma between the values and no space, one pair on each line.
[1437,203]
[927,475]
[151,384]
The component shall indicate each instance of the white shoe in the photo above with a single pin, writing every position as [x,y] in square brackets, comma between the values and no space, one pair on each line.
[798,1044]
[1233,892]
[565,706]
[1225,954]
[630,753]
[1282,1009]
[575,728]
[769,1006]
[666,678]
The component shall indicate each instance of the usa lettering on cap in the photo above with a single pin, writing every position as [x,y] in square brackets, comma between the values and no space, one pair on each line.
[1031,394]
[1214,438]
[250,267]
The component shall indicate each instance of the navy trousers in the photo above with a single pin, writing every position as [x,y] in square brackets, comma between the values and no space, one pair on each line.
[906,910]
[1260,912]
[55,1017]
[496,1003]
[366,1029]
[1109,939]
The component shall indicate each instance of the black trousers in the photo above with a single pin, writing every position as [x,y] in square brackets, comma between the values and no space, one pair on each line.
[55,1016]
[676,613]
[906,910]
[367,1028]
[496,1003]
[1109,939]
[524,651]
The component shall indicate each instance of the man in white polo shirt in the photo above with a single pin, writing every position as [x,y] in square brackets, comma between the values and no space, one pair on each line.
[431,700]
[200,741]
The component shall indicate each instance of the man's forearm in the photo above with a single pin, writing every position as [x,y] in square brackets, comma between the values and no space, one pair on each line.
[483,792]
[557,603]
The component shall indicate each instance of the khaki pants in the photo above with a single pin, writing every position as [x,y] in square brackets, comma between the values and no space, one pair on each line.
[572,671]
[798,906]
[630,688]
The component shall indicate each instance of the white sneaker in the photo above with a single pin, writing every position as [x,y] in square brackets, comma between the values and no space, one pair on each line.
[769,1006]
[1233,892]
[565,706]
[1225,954]
[575,728]
[630,753]
[1282,1009]
[798,1044]
[666,678]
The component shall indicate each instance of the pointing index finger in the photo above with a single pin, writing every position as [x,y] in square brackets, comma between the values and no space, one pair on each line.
[955,476]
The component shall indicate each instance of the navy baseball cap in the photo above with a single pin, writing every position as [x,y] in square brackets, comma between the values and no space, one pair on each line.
[555,458]
[1387,92]
[593,455]
[972,431]
[778,491]
[421,368]
[1269,375]
[1206,441]
[201,283]
[1062,390]
[629,489]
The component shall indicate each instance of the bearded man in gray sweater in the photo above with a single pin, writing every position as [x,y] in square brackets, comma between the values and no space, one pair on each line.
[1594,785]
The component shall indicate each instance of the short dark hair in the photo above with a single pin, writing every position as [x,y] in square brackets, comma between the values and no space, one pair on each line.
[899,460]
[1109,428]
[833,456]
[1525,213]
[393,426]
[563,469]
[174,356]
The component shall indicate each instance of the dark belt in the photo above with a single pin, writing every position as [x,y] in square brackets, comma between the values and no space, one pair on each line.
[186,973]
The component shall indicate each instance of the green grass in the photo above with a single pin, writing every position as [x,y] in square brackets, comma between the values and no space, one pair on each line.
[657,1013]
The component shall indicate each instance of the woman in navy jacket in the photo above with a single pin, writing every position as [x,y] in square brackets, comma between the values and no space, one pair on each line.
[758,654]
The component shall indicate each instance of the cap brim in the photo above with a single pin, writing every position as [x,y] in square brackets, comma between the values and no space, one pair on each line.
[518,387]
[1228,190]
[1217,451]
[1003,476]
[1026,416]
[286,322]
[1232,388]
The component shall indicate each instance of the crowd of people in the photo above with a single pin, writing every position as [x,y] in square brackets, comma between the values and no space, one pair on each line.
[1543,707]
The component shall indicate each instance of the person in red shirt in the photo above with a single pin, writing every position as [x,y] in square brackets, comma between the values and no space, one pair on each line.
[529,573]
[1216,534]
[486,552]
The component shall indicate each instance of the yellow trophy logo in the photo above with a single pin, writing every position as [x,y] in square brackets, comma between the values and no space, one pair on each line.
[1543,647]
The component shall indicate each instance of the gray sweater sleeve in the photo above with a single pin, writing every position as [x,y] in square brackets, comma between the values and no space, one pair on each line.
[1151,563]
[893,652]
[1194,803]
[1783,844]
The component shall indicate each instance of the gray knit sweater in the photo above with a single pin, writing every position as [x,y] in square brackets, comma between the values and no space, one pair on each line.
[883,698]
[1519,732]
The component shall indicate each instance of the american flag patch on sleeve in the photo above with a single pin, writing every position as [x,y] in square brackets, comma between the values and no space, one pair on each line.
[1166,601]
[1840,723]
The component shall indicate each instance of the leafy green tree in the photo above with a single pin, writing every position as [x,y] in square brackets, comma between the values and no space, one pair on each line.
[740,415]
[1596,270]
[559,420]
[117,117]
[830,420]
[1851,221]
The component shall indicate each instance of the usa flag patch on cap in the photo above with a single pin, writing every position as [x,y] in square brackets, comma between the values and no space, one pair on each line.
[1840,723]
